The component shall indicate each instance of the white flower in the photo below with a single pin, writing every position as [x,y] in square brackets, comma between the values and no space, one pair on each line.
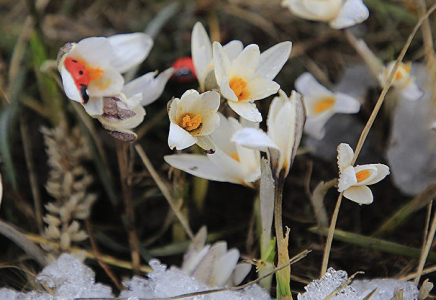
[403,82]
[230,162]
[338,13]
[322,104]
[285,123]
[353,181]
[213,265]
[249,76]
[91,69]
[193,118]
[202,56]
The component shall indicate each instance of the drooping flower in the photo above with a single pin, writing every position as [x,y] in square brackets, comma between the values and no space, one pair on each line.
[403,82]
[91,69]
[230,162]
[249,76]
[322,104]
[353,181]
[193,118]
[214,265]
[285,123]
[338,13]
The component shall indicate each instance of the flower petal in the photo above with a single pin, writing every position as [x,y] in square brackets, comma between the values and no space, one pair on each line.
[206,143]
[210,100]
[70,87]
[201,49]
[346,104]
[246,110]
[359,194]
[130,50]
[272,60]
[345,156]
[226,91]
[210,122]
[382,172]
[109,84]
[411,92]
[369,172]
[179,138]
[233,49]
[221,62]
[94,107]
[200,166]
[311,90]
[315,125]
[96,51]
[353,12]
[224,267]
[261,88]
[254,139]
[150,86]
[245,64]
[222,135]
[347,178]
[241,271]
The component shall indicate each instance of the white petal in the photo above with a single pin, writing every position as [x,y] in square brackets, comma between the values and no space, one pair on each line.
[382,172]
[150,86]
[345,156]
[94,107]
[191,263]
[130,50]
[200,166]
[254,139]
[221,62]
[201,50]
[315,125]
[210,122]
[206,143]
[111,83]
[261,88]
[359,194]
[225,266]
[246,110]
[353,12]
[222,135]
[210,100]
[371,169]
[179,138]
[225,89]
[96,51]
[233,49]
[250,159]
[311,90]
[70,87]
[246,63]
[188,103]
[323,10]
[347,178]
[411,92]
[272,60]
[346,104]
[241,271]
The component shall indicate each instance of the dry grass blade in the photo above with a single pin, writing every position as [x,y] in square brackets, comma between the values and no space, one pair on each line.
[342,286]
[426,249]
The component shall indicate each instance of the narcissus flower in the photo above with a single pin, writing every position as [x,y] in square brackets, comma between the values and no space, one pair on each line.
[338,13]
[230,163]
[91,69]
[353,181]
[285,123]
[403,82]
[193,118]
[322,104]
[249,76]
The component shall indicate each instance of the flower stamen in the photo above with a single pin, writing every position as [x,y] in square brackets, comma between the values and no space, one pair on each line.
[324,104]
[362,175]
[190,122]
[238,85]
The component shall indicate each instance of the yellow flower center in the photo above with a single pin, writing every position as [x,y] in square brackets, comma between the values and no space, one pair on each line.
[190,122]
[362,175]
[235,156]
[324,104]
[238,86]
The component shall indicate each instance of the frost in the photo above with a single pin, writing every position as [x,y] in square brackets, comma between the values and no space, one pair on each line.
[163,282]
[359,289]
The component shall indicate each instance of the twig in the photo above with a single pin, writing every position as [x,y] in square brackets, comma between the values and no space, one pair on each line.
[426,249]
[164,189]
[102,264]
[130,211]
[366,131]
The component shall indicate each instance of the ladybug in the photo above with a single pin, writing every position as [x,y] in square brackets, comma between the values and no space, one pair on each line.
[184,70]
[80,76]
